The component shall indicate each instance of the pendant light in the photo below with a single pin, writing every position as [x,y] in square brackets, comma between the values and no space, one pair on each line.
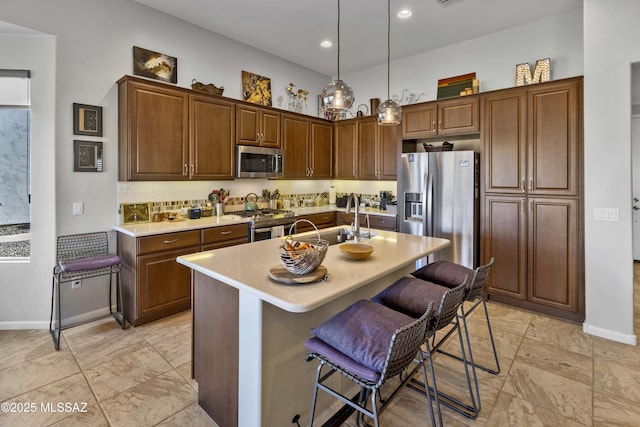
[337,96]
[389,112]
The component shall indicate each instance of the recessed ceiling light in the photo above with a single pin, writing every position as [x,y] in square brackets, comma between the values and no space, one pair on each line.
[404,14]
[326,43]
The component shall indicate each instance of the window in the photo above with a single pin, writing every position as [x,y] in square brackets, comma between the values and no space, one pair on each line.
[15,124]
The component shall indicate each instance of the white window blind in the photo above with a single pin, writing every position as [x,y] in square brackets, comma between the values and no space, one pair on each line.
[14,88]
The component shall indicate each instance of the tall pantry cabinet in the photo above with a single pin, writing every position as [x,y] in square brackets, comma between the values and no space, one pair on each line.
[532,206]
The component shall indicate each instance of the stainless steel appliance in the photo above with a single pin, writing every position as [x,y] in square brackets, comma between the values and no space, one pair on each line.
[438,196]
[258,162]
[263,222]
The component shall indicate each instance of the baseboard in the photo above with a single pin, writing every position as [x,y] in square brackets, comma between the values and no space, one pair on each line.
[609,334]
[44,324]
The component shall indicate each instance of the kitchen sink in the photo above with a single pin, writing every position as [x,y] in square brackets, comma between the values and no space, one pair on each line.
[331,236]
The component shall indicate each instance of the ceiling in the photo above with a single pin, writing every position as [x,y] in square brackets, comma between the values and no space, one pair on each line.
[293,29]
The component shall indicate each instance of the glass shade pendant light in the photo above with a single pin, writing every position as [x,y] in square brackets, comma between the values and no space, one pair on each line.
[337,96]
[389,112]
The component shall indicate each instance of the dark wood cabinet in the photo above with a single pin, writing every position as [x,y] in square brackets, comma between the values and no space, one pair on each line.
[458,116]
[257,126]
[154,285]
[170,134]
[376,150]
[532,206]
[212,147]
[307,146]
[381,222]
[320,220]
[153,131]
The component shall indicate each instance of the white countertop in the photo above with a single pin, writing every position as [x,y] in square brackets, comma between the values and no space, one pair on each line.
[142,229]
[246,268]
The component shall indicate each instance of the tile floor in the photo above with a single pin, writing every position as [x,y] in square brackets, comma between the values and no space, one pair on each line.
[552,375]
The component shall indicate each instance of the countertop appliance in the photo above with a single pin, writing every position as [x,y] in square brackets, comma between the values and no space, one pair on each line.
[264,221]
[258,162]
[438,196]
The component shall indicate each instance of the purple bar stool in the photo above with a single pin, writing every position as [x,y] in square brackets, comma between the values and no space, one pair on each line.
[80,256]
[368,343]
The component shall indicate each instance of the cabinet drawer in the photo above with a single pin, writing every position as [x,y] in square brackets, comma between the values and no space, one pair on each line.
[321,220]
[382,222]
[228,232]
[165,242]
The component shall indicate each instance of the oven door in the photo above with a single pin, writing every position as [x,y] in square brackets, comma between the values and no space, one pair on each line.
[265,233]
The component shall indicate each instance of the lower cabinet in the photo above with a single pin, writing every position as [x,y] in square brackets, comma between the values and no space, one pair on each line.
[320,220]
[536,244]
[380,222]
[154,284]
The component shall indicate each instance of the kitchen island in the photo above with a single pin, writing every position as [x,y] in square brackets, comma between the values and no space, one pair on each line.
[249,331]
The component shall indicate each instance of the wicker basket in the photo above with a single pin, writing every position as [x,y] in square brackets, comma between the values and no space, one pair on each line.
[308,258]
[446,146]
[210,88]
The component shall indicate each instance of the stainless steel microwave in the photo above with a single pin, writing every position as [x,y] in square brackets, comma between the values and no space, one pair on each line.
[258,162]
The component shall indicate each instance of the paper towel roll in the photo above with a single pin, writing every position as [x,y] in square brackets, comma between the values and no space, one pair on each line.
[277,231]
[332,195]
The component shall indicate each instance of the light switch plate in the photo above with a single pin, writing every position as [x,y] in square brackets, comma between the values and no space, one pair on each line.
[78,208]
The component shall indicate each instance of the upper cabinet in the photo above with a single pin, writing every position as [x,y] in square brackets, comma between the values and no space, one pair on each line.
[457,116]
[365,150]
[531,138]
[257,126]
[171,134]
[153,131]
[307,145]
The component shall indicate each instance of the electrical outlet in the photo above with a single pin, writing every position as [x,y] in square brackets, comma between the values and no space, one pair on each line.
[76,283]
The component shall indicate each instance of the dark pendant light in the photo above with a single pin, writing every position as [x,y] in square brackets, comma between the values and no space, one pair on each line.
[389,112]
[337,96]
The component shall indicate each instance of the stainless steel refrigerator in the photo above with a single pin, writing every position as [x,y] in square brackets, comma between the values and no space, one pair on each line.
[438,196]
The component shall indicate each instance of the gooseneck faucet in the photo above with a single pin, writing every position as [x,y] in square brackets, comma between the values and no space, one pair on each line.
[356,220]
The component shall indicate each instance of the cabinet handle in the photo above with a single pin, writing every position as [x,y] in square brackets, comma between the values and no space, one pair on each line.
[433,126]
[311,172]
[522,202]
[167,242]
[225,232]
[530,183]
[185,169]
[193,170]
[530,206]
[522,185]
[440,125]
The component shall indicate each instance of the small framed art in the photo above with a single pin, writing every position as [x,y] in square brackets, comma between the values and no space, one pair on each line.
[87,156]
[87,120]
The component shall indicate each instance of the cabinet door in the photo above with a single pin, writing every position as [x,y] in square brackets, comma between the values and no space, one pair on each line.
[295,135]
[504,138]
[553,136]
[247,125]
[344,147]
[164,286]
[212,138]
[459,116]
[389,146]
[269,129]
[554,253]
[156,120]
[505,239]
[320,159]
[419,120]
[367,148]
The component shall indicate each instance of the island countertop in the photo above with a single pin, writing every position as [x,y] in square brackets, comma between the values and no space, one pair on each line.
[246,268]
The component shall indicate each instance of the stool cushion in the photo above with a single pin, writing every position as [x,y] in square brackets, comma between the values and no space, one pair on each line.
[91,263]
[411,296]
[363,332]
[444,273]
[316,345]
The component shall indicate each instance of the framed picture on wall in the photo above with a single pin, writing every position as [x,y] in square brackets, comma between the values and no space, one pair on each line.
[87,120]
[87,156]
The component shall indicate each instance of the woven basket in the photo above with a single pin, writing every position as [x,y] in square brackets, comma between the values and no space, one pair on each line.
[308,258]
[446,146]
[210,88]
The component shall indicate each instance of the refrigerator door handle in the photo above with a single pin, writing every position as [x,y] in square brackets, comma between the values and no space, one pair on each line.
[428,205]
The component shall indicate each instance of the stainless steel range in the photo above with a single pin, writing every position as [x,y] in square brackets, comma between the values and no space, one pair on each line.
[264,221]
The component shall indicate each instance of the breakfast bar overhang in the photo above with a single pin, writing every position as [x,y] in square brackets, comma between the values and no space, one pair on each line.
[249,331]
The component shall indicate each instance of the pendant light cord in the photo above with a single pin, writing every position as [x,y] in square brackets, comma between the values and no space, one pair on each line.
[338,39]
[388,47]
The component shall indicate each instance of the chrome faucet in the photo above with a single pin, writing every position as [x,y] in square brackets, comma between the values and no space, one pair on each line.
[356,220]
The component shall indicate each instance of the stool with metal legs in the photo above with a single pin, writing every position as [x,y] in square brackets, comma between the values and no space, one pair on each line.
[409,295]
[81,256]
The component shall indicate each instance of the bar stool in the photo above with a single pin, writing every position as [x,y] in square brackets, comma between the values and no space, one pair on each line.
[409,295]
[367,343]
[448,274]
[80,256]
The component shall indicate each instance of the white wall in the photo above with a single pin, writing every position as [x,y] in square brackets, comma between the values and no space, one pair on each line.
[611,33]
[25,286]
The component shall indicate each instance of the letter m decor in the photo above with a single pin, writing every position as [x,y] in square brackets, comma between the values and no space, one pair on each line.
[541,72]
